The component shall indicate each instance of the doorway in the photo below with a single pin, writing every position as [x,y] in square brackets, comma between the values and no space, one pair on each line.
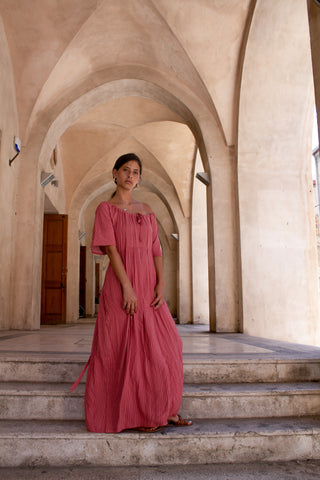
[54,269]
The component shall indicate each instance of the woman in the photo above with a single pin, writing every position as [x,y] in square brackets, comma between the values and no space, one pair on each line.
[135,376]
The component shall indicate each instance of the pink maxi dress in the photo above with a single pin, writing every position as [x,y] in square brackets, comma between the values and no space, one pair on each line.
[135,371]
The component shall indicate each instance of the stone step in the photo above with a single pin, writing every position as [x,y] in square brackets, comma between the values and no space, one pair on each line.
[44,401]
[210,370]
[65,444]
[197,369]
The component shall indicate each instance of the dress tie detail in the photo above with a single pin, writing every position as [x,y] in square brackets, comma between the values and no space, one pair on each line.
[139,222]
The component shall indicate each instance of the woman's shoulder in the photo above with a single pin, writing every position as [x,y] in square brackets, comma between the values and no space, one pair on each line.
[139,207]
[102,206]
[146,209]
[103,209]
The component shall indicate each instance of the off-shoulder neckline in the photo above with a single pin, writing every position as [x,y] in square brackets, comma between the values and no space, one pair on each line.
[129,213]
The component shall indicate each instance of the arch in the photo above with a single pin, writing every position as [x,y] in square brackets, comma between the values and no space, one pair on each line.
[93,186]
[51,123]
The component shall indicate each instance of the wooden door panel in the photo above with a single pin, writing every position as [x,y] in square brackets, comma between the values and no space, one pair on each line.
[54,232]
[54,269]
[53,302]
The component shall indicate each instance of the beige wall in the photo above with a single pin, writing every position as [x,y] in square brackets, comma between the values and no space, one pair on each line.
[278,249]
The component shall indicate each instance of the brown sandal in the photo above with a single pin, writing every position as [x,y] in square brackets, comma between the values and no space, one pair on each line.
[148,429]
[181,422]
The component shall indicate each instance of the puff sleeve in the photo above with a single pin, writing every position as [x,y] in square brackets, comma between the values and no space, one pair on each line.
[103,231]
[156,247]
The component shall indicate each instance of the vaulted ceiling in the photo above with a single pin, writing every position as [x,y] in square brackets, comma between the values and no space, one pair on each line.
[62,49]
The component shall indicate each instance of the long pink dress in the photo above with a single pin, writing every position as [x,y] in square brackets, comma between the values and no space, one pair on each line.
[135,371]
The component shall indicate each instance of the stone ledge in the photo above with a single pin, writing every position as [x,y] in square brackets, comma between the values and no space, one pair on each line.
[42,401]
[207,441]
[196,369]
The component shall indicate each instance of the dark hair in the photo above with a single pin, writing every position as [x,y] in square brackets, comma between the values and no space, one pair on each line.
[127,157]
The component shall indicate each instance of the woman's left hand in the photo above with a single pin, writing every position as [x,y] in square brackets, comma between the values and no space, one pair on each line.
[158,296]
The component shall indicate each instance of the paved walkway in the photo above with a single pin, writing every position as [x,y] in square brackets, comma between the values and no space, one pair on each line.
[74,342]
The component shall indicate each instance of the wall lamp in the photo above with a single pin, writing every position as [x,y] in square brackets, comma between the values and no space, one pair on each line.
[46,178]
[203,177]
[17,147]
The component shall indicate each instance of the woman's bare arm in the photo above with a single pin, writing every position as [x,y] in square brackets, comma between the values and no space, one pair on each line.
[130,302]
[159,288]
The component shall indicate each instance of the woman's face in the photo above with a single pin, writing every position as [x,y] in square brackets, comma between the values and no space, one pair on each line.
[128,176]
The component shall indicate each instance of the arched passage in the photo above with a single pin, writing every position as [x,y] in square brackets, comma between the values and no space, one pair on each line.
[223,309]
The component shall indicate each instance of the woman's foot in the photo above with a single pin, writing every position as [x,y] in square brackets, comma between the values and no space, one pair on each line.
[178,421]
[148,429]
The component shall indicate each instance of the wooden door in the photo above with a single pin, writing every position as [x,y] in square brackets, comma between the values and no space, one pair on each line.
[82,282]
[54,269]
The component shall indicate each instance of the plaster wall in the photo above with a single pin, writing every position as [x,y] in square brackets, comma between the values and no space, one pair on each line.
[8,176]
[278,248]
[55,191]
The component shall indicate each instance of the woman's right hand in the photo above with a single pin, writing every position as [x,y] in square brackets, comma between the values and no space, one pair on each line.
[130,301]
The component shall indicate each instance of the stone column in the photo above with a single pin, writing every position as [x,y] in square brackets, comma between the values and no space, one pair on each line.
[199,249]
[314,25]
[27,255]
[73,269]
[9,127]
[278,241]
[90,282]
[223,240]
[184,277]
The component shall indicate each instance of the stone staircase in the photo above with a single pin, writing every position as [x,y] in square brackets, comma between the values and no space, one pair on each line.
[243,410]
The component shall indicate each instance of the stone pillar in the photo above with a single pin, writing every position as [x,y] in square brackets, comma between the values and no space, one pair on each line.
[278,241]
[199,249]
[184,276]
[73,269]
[8,178]
[223,241]
[28,234]
[90,281]
[314,25]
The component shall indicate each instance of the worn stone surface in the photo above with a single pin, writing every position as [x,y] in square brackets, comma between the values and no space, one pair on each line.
[206,441]
[47,401]
[306,470]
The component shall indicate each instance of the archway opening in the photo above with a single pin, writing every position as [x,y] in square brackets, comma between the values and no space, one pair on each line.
[88,148]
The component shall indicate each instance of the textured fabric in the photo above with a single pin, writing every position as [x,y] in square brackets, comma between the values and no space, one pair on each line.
[135,376]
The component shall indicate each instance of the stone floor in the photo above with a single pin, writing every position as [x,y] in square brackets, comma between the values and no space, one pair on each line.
[74,341]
